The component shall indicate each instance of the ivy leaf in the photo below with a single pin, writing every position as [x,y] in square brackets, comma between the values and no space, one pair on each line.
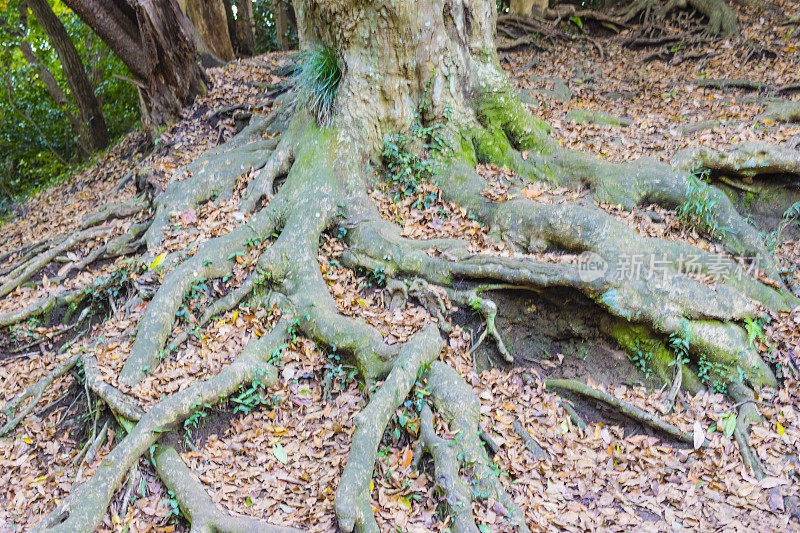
[280,453]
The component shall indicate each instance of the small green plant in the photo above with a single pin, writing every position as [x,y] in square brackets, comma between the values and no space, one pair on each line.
[196,417]
[699,209]
[774,239]
[316,80]
[413,159]
[713,374]
[755,331]
[640,357]
[679,344]
[250,398]
[404,167]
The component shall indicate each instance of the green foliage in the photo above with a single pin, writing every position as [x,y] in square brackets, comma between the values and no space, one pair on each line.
[193,422]
[316,80]
[699,209]
[405,168]
[250,398]
[640,357]
[754,329]
[413,159]
[774,239]
[265,27]
[37,144]
[713,374]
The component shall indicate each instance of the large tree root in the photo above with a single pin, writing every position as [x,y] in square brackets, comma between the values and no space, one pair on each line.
[195,503]
[744,160]
[460,408]
[84,508]
[624,407]
[353,508]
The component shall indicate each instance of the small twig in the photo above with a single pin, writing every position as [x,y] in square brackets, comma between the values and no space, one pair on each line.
[530,443]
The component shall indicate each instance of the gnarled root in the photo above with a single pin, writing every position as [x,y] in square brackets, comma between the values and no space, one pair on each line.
[745,160]
[195,503]
[460,408]
[353,508]
[84,508]
[34,392]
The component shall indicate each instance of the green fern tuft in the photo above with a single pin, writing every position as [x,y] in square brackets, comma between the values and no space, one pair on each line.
[316,79]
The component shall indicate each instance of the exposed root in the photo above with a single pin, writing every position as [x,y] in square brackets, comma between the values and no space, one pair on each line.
[119,402]
[748,415]
[114,210]
[352,501]
[534,447]
[261,187]
[721,18]
[213,260]
[460,408]
[34,392]
[216,172]
[84,508]
[624,407]
[745,160]
[195,503]
[488,309]
[43,305]
[24,271]
[454,491]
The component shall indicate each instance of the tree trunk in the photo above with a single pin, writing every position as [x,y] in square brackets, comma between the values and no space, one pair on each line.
[153,38]
[427,69]
[208,17]
[529,8]
[96,133]
[175,78]
[283,15]
[245,27]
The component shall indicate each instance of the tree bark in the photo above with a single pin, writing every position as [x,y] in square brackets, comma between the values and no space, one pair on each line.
[283,15]
[210,20]
[245,27]
[153,38]
[96,132]
[529,8]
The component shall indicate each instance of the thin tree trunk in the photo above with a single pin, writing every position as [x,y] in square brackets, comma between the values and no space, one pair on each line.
[72,66]
[283,15]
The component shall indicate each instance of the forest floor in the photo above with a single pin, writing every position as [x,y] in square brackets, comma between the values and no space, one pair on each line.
[279,456]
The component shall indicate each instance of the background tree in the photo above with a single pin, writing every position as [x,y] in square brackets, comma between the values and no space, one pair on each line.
[153,38]
[210,20]
[94,130]
[42,135]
